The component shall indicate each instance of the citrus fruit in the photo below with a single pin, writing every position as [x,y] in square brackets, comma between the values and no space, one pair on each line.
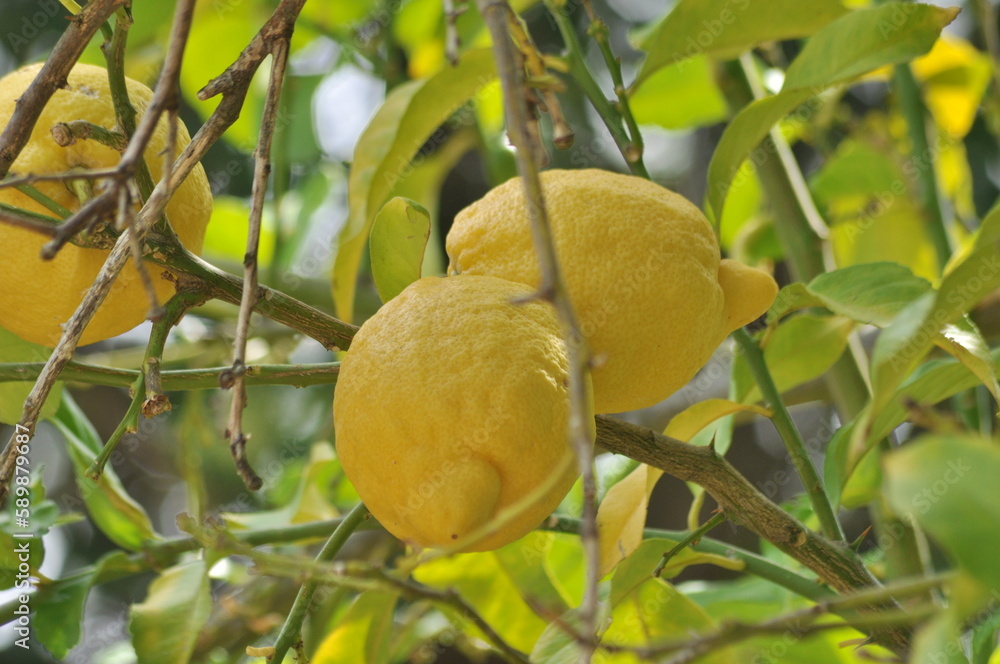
[452,406]
[37,296]
[642,268]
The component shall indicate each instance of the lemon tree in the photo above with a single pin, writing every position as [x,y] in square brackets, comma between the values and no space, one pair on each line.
[352,436]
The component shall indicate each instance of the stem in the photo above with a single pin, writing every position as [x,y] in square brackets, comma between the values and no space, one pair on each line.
[922,156]
[179,380]
[789,433]
[128,423]
[599,31]
[43,200]
[631,152]
[691,538]
[755,563]
[147,397]
[833,562]
[290,631]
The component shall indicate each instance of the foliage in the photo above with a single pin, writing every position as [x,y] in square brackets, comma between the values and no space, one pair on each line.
[849,147]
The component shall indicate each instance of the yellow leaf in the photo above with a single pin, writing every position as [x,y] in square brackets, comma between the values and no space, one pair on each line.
[954,75]
[690,421]
[621,516]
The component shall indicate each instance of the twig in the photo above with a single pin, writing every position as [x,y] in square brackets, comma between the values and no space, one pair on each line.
[292,628]
[496,14]
[755,563]
[690,539]
[790,435]
[278,47]
[44,200]
[922,157]
[802,622]
[452,10]
[581,74]
[835,564]
[599,31]
[94,174]
[292,375]
[31,221]
[165,89]
[66,134]
[52,76]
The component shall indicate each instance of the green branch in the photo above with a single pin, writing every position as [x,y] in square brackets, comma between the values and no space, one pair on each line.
[790,436]
[580,73]
[291,630]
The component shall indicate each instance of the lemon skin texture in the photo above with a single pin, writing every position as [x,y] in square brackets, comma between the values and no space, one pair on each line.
[642,268]
[37,296]
[452,405]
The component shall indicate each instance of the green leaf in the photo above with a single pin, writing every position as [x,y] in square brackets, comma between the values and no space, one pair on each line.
[59,616]
[855,43]
[939,641]
[726,28]
[873,293]
[680,96]
[165,626]
[799,350]
[384,152]
[947,483]
[637,568]
[361,634]
[867,39]
[112,510]
[397,242]
[965,342]
[745,131]
[12,394]
[526,564]
[481,580]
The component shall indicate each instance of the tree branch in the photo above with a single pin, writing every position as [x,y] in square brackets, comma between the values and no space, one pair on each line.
[744,504]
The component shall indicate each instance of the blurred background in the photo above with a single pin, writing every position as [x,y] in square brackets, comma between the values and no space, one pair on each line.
[347,55]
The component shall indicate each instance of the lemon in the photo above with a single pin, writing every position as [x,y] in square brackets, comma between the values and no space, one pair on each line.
[642,267]
[451,406]
[37,296]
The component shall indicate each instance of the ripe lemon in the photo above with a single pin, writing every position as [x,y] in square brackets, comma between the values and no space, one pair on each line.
[37,296]
[452,405]
[642,268]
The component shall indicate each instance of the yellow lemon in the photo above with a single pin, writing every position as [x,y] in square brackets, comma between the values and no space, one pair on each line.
[642,267]
[37,296]
[451,407]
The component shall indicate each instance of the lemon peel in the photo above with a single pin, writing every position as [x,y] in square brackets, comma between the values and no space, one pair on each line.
[37,296]
[642,268]
[451,406]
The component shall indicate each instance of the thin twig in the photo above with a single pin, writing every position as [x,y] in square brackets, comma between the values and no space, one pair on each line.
[834,563]
[580,73]
[291,630]
[801,623]
[262,170]
[95,174]
[497,14]
[452,10]
[166,88]
[51,77]
[690,539]
[790,435]
[599,31]
[293,375]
